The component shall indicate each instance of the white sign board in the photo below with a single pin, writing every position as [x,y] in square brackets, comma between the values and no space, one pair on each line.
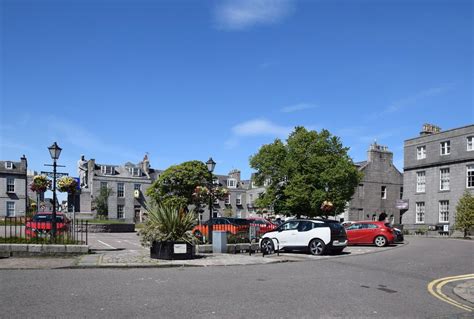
[179,248]
[446,228]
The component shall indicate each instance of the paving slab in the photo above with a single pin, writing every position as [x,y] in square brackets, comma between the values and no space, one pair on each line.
[465,290]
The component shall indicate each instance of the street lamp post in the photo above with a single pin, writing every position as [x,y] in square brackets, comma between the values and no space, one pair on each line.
[54,151]
[210,167]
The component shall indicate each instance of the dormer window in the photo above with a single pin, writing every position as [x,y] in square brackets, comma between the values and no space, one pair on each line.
[9,165]
[231,183]
[134,171]
[107,170]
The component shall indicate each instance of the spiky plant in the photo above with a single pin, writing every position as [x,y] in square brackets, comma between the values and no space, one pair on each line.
[168,222]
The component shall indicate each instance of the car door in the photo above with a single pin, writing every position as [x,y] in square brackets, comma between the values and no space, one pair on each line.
[365,234]
[286,234]
[303,235]
[354,233]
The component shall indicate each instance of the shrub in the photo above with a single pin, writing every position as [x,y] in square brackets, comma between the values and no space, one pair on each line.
[168,222]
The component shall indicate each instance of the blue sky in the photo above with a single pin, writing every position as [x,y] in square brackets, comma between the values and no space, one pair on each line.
[186,80]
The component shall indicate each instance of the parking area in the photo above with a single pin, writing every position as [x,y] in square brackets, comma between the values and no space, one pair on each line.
[114,241]
[125,243]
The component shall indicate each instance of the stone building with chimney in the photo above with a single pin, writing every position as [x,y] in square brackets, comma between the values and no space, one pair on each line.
[438,169]
[379,189]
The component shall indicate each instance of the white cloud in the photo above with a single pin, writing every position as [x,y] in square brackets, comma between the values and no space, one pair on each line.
[298,107]
[256,127]
[244,14]
[402,103]
[260,127]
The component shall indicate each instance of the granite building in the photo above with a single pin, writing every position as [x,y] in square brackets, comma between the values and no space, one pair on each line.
[13,188]
[379,189]
[128,184]
[438,169]
[241,200]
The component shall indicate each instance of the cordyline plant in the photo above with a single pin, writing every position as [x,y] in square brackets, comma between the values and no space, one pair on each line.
[168,222]
[67,184]
[40,184]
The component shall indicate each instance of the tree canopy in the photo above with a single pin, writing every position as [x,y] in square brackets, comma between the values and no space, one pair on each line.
[177,184]
[465,213]
[300,170]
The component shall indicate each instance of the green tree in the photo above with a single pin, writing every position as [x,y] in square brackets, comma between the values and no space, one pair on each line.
[176,185]
[465,213]
[299,171]
[100,203]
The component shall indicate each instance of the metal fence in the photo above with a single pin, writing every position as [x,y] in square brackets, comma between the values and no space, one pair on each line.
[235,234]
[21,230]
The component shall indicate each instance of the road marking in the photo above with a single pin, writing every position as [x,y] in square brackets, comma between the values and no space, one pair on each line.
[132,243]
[105,244]
[435,288]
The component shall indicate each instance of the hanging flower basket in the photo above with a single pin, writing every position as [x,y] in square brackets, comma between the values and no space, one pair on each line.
[201,192]
[220,192]
[327,206]
[40,184]
[67,184]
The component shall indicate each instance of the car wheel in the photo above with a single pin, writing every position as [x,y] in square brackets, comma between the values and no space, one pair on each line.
[380,241]
[317,247]
[267,246]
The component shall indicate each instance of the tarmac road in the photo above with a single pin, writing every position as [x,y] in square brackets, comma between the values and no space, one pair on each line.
[389,284]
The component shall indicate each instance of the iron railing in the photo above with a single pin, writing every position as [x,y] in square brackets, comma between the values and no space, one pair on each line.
[21,230]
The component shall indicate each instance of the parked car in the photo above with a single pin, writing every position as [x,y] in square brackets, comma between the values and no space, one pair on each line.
[370,232]
[398,235]
[262,225]
[317,236]
[231,225]
[40,225]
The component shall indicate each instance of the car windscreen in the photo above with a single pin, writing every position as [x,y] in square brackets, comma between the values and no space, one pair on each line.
[47,218]
[388,225]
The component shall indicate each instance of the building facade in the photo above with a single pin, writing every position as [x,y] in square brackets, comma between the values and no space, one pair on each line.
[241,200]
[128,184]
[379,189]
[438,169]
[13,188]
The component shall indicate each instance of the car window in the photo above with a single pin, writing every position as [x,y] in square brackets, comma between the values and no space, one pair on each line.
[371,226]
[364,226]
[47,218]
[305,226]
[335,226]
[289,225]
[354,227]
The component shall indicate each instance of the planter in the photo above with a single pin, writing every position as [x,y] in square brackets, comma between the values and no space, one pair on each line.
[171,250]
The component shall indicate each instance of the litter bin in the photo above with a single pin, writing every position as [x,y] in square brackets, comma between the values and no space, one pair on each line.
[219,241]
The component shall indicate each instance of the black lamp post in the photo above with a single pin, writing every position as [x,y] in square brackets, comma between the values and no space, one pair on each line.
[210,167]
[54,151]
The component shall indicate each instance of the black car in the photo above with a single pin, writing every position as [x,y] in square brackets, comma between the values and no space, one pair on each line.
[398,235]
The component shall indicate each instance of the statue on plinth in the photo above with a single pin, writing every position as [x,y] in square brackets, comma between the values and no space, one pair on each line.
[82,170]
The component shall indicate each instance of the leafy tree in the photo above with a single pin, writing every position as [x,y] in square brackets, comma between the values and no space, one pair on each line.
[101,203]
[177,184]
[300,170]
[465,213]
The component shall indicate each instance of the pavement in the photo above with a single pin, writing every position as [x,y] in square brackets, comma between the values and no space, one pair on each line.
[124,251]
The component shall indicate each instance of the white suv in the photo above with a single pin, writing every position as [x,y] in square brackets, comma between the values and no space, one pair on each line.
[316,235]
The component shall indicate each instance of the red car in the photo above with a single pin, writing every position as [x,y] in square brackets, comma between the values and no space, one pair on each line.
[369,232]
[41,223]
[262,224]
